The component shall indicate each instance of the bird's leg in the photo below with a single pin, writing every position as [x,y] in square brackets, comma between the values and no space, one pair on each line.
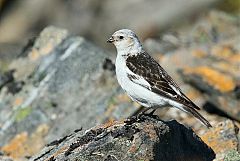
[152,112]
[154,108]
[143,112]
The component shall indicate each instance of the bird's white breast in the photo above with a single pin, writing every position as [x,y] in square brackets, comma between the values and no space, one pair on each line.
[134,90]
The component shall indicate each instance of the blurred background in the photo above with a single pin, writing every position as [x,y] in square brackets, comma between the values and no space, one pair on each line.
[46,94]
[21,20]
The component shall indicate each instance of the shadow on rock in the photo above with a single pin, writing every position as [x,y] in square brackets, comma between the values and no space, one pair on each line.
[181,144]
[137,138]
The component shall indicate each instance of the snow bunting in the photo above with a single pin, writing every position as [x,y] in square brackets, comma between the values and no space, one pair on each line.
[144,80]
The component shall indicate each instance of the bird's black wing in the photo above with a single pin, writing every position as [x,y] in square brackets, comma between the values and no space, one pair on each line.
[161,83]
[144,65]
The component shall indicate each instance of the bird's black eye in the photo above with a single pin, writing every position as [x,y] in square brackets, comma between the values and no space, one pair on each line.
[121,37]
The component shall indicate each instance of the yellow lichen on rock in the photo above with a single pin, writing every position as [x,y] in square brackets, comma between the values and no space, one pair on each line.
[23,144]
[18,101]
[223,51]
[217,138]
[16,147]
[219,81]
[37,53]
[199,53]
[234,58]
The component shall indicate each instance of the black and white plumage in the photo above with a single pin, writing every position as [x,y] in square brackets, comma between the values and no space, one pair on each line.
[144,80]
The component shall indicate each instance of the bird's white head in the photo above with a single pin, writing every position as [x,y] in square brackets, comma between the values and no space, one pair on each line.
[125,39]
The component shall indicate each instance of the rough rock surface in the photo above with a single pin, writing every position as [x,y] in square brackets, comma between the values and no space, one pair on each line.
[214,70]
[145,138]
[59,84]
[204,59]
[224,140]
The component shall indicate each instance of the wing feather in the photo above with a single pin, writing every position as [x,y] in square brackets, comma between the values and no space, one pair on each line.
[160,82]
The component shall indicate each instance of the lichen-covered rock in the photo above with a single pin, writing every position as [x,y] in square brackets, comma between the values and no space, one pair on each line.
[209,62]
[143,138]
[59,83]
[232,156]
[68,83]
[224,140]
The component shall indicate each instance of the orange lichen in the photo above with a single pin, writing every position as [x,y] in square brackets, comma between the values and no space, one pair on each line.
[224,51]
[228,54]
[219,81]
[110,122]
[215,139]
[34,54]
[225,66]
[47,48]
[58,152]
[199,53]
[18,101]
[24,145]
[193,94]
[234,58]
[16,147]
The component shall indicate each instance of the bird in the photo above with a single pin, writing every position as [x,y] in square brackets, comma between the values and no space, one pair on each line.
[144,80]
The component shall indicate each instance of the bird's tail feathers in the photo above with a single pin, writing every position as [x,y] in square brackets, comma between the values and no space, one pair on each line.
[194,112]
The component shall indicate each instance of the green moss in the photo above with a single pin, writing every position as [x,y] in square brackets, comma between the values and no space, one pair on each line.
[232,155]
[22,113]
[4,65]
[112,101]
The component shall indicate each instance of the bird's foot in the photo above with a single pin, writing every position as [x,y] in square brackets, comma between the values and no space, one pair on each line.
[143,113]
[140,116]
[152,112]
[131,120]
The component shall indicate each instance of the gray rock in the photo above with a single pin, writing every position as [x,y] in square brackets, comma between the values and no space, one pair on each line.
[66,87]
[146,138]
[108,15]
[232,156]
[223,138]
[6,78]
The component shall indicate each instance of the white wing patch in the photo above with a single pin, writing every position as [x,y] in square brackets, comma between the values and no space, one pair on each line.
[138,79]
[175,89]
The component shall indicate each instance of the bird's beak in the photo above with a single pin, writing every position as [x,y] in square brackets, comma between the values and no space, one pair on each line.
[110,40]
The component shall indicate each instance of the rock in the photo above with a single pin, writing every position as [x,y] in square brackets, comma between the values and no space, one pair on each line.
[224,140]
[68,83]
[84,13]
[218,85]
[5,158]
[209,62]
[167,43]
[232,156]
[146,138]
[62,82]
[6,78]
[8,52]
